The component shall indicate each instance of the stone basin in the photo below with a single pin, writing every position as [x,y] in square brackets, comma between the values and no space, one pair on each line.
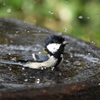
[78,78]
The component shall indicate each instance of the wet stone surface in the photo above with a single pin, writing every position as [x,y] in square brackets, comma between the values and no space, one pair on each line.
[19,40]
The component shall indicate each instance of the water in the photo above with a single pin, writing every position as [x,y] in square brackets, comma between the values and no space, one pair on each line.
[81,61]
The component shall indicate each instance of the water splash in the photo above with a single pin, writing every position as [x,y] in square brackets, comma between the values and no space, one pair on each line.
[80,17]
[65,29]
[9,10]
[51,12]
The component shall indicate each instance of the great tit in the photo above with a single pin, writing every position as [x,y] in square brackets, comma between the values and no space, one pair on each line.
[54,46]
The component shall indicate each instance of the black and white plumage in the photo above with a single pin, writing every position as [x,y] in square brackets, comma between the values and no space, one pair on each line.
[54,46]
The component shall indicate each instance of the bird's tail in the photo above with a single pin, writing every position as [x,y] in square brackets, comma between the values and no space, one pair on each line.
[11,62]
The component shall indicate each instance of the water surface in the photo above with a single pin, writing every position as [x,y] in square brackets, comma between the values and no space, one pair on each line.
[81,61]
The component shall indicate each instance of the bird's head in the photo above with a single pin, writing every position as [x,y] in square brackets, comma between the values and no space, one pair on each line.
[54,45]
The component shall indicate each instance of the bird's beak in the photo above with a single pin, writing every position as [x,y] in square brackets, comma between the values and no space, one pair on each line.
[65,42]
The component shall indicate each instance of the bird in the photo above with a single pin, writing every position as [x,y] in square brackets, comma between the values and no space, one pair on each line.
[54,48]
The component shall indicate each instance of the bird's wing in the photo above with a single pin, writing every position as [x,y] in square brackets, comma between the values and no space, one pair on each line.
[37,58]
[40,57]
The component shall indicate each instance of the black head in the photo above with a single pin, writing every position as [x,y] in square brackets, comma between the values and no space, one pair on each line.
[54,45]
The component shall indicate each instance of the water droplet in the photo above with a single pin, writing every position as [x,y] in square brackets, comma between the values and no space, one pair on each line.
[14,59]
[50,19]
[67,61]
[51,12]
[9,69]
[42,68]
[25,80]
[65,29]
[37,81]
[4,3]
[34,21]
[52,68]
[88,17]
[24,74]
[60,74]
[80,17]
[34,1]
[89,54]
[22,8]
[17,31]
[11,41]
[15,34]
[9,53]
[28,31]
[77,63]
[32,77]
[39,52]
[71,55]
[66,1]
[8,10]
[39,31]
[93,42]
[23,68]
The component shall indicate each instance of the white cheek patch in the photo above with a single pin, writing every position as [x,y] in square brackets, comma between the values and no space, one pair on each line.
[53,47]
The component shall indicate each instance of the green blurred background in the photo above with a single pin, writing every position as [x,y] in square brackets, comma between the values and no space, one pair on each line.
[79,18]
